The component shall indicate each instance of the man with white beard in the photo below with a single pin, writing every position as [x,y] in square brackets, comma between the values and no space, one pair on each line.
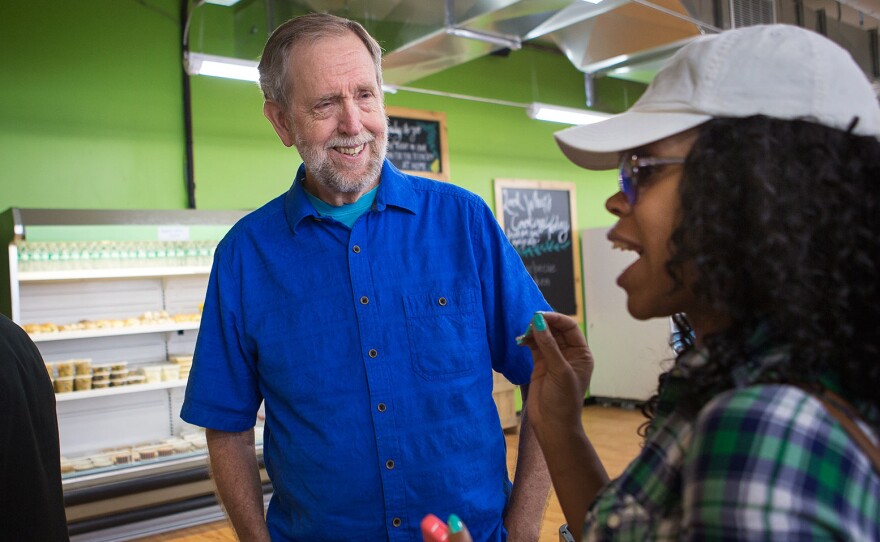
[367,308]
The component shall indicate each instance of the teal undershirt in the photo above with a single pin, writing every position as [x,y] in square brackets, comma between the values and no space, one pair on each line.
[347,213]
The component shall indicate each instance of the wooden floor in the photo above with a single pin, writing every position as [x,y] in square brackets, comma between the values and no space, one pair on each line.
[612,431]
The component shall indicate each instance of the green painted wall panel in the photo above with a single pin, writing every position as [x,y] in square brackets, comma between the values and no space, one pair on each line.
[90,105]
[91,114]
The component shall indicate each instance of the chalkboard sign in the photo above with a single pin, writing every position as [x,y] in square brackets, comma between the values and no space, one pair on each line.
[539,219]
[417,142]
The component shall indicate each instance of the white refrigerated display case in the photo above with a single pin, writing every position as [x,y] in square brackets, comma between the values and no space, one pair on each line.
[112,300]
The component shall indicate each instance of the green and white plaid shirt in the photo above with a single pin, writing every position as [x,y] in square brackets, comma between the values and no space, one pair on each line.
[759,462]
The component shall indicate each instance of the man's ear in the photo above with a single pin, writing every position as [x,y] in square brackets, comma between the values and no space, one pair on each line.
[278,117]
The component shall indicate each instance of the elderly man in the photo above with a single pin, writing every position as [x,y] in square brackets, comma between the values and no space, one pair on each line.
[367,308]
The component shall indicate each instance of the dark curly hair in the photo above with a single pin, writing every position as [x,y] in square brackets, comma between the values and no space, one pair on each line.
[781,219]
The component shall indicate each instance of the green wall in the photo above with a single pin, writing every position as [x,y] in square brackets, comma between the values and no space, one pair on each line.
[91,114]
[90,104]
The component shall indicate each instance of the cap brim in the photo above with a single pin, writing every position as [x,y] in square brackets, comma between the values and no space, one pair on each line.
[596,146]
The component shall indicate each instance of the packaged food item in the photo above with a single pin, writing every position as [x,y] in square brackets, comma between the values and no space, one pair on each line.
[180,359]
[184,362]
[82,366]
[50,368]
[119,377]
[148,452]
[101,461]
[100,384]
[170,372]
[83,464]
[119,366]
[182,446]
[135,379]
[101,370]
[63,384]
[82,382]
[64,368]
[152,373]
[122,457]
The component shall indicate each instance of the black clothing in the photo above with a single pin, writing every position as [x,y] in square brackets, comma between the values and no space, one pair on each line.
[31,499]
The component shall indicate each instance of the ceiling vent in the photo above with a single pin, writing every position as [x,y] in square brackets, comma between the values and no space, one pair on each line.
[752,12]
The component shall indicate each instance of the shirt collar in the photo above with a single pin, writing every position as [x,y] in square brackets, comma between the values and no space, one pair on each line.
[395,190]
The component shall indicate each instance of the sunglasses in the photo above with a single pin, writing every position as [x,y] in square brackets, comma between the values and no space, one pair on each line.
[635,171]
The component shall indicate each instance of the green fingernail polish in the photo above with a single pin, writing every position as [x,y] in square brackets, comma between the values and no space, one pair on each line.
[539,322]
[455,524]
[520,339]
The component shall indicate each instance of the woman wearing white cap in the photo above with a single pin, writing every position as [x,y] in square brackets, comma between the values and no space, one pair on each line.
[749,176]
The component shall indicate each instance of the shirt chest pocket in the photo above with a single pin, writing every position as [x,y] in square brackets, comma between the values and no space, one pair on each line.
[447,333]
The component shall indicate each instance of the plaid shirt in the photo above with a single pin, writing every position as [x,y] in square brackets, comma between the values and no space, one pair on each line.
[759,462]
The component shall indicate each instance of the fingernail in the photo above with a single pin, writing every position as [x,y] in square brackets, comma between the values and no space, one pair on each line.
[539,322]
[455,524]
[521,339]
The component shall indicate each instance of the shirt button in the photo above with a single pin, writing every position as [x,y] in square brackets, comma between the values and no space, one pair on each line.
[373,353]
[442,301]
[396,522]
[389,464]
[365,300]
[613,521]
[356,249]
[381,407]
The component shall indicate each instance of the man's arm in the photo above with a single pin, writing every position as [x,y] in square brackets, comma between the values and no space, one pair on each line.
[531,486]
[236,474]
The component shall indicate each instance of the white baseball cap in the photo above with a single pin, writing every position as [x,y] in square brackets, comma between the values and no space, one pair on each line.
[779,71]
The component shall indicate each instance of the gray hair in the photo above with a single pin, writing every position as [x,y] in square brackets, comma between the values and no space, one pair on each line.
[306,28]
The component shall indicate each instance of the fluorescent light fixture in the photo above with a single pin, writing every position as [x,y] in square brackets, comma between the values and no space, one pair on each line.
[503,40]
[221,66]
[566,115]
[226,3]
[234,68]
[593,1]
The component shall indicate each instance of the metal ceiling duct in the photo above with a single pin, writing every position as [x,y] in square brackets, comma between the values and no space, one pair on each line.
[630,39]
[627,39]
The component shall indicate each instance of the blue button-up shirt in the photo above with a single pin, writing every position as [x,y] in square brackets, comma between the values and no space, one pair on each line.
[373,348]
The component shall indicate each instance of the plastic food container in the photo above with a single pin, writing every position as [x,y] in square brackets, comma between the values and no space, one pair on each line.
[148,452]
[64,368]
[170,372]
[63,384]
[122,457]
[82,382]
[82,366]
[152,373]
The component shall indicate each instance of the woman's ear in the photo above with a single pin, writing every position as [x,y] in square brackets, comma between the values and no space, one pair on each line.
[280,121]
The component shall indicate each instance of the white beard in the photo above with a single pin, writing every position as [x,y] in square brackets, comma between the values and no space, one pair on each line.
[321,168]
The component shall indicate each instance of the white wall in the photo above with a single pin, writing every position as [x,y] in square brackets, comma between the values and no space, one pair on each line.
[629,354]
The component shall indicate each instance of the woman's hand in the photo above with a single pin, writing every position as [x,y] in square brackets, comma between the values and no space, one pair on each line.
[562,372]
[454,530]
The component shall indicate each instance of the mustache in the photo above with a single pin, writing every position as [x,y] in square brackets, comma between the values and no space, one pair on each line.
[354,141]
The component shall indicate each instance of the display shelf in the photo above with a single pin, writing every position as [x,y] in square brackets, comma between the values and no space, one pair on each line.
[112,331]
[119,390]
[63,266]
[178,461]
[111,273]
